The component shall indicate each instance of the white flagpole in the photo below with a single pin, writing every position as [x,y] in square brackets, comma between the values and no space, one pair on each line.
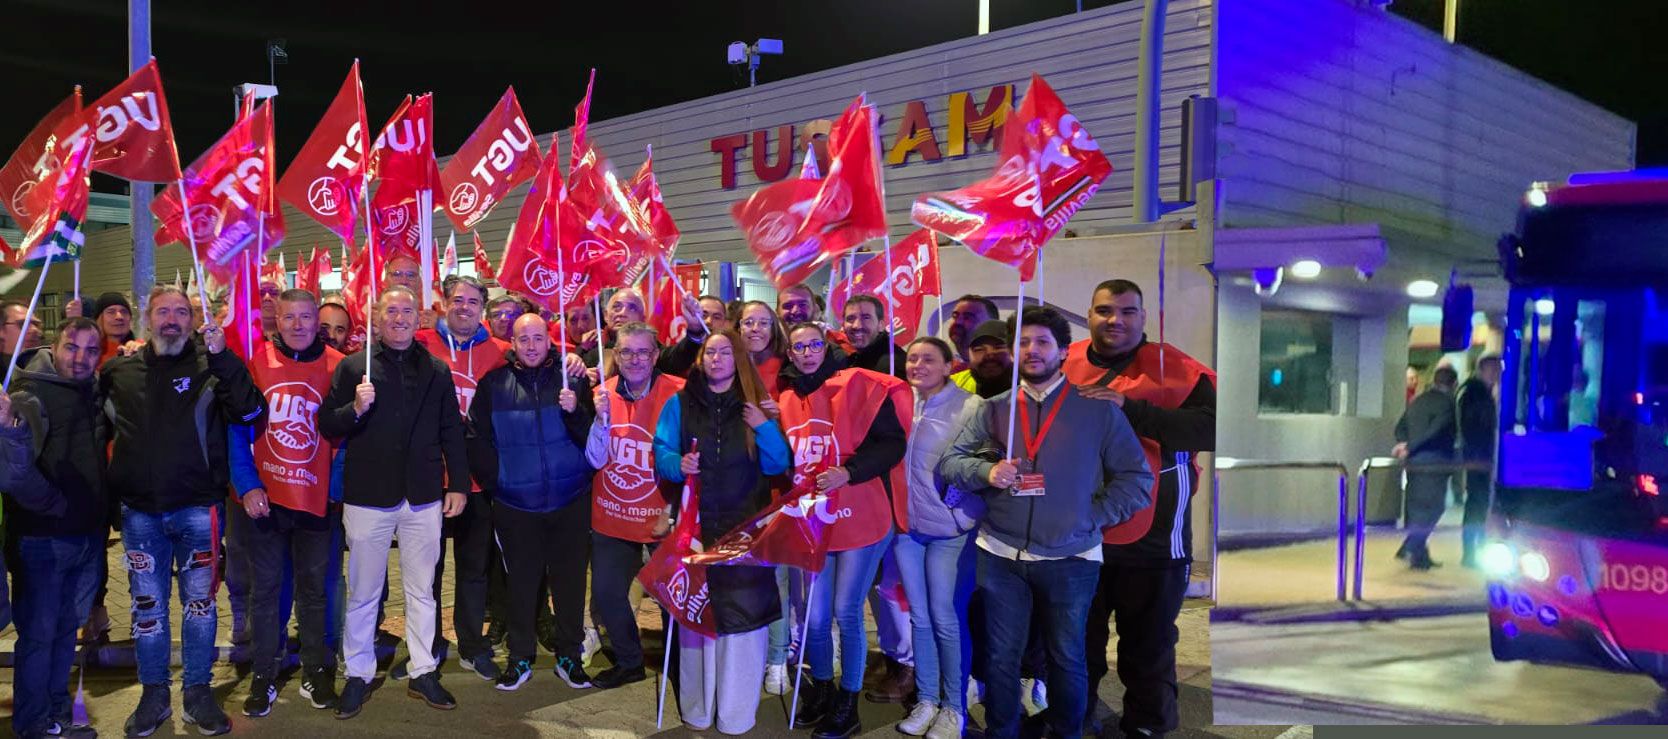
[1013,399]
[77,292]
[370,296]
[665,667]
[561,307]
[425,234]
[596,307]
[1161,244]
[248,340]
[28,316]
[683,293]
[810,595]
[191,241]
[891,310]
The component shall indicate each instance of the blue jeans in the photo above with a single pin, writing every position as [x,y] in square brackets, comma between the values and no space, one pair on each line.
[783,629]
[837,594]
[56,580]
[938,578]
[1063,588]
[160,548]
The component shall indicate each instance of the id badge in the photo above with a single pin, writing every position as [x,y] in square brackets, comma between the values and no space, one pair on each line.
[1029,485]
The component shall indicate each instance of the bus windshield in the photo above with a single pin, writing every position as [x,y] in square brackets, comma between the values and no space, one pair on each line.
[1584,410]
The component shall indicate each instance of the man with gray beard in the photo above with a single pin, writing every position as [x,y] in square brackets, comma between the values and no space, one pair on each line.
[170,405]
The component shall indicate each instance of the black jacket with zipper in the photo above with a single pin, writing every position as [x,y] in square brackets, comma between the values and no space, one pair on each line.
[170,415]
[411,438]
[52,463]
[522,445]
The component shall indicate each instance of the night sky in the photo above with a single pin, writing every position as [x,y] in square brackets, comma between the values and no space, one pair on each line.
[466,52]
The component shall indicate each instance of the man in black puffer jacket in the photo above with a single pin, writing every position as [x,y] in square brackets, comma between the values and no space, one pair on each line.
[527,445]
[52,469]
[170,404]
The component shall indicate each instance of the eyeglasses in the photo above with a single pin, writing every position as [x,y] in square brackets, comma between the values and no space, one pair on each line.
[808,347]
[407,274]
[716,353]
[637,354]
[755,323]
[505,313]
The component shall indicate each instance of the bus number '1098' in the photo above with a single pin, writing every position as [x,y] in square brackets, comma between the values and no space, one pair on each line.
[1635,578]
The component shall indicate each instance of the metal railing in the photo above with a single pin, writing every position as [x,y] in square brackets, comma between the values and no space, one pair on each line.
[1230,463]
[1391,463]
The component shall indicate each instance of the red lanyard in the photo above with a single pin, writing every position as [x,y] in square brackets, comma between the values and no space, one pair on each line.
[1032,446]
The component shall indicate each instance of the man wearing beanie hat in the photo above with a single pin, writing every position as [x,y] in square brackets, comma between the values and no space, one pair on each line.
[115,318]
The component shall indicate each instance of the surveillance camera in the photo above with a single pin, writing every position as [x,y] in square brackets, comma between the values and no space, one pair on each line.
[1267,279]
[738,53]
[768,46]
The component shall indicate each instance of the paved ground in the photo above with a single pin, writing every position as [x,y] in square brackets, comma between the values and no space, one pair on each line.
[545,707]
[1306,573]
[1411,670]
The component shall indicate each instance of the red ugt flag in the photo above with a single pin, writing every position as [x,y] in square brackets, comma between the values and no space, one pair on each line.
[668,320]
[680,587]
[23,170]
[644,190]
[402,160]
[793,227]
[538,260]
[483,267]
[231,193]
[307,272]
[325,181]
[499,155]
[132,135]
[794,531]
[914,276]
[1049,167]
[60,200]
[243,306]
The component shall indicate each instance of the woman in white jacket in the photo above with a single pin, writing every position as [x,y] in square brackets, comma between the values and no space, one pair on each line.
[935,558]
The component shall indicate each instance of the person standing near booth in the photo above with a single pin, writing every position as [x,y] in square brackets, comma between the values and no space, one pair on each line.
[1171,404]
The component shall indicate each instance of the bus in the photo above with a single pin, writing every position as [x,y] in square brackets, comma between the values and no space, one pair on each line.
[1577,550]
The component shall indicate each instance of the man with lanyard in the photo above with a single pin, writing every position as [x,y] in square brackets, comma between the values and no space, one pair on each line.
[1170,400]
[281,471]
[1040,541]
[463,342]
[629,511]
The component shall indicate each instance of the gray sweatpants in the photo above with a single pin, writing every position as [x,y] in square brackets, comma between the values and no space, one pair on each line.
[721,676]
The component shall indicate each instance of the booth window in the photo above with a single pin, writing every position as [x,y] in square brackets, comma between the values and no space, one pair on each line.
[1306,362]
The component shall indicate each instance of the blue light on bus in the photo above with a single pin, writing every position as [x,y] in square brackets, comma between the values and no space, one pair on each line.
[1522,605]
[1566,585]
[1548,616]
[1277,377]
[1509,630]
[1498,596]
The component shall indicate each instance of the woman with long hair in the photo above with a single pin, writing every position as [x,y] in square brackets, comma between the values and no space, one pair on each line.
[765,341]
[717,429]
[934,554]
[848,428]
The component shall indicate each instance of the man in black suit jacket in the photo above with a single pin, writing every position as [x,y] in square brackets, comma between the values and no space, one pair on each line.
[1426,434]
[406,466]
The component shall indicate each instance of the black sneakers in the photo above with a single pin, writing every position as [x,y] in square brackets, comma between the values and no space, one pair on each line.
[515,674]
[318,686]
[426,687]
[354,693]
[481,665]
[262,694]
[153,710]
[617,676]
[572,672]
[202,710]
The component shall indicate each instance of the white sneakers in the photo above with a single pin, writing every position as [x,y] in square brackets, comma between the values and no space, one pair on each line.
[948,726]
[1037,692]
[776,679]
[591,645]
[920,719]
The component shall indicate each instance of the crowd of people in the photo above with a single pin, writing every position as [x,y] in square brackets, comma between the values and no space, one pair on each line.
[998,551]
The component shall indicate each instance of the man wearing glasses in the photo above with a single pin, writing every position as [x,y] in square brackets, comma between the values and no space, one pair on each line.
[628,510]
[13,313]
[463,343]
[501,314]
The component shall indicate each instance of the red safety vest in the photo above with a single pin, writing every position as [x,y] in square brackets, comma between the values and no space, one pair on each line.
[1141,380]
[293,460]
[826,427]
[468,366]
[626,500]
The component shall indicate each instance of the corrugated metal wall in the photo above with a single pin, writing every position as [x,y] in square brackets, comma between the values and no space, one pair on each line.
[1089,59]
[1337,113]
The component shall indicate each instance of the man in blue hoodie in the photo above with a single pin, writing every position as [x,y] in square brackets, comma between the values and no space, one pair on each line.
[1040,539]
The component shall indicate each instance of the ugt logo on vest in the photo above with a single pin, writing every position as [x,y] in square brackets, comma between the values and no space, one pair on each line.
[630,478]
[291,428]
[814,444]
